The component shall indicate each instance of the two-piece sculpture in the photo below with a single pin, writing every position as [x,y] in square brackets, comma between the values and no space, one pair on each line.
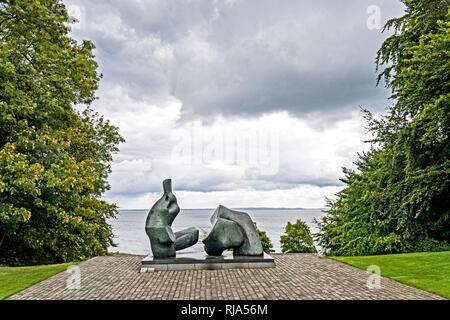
[231,229]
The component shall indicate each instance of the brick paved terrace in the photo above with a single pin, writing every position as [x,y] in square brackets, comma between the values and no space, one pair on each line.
[296,276]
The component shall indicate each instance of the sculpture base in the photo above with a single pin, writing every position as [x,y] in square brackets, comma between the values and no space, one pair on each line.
[202,261]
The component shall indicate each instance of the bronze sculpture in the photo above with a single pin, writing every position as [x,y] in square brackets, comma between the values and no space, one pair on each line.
[230,230]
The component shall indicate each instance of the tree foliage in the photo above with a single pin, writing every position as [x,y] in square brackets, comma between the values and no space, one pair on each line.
[265,240]
[297,238]
[54,160]
[397,199]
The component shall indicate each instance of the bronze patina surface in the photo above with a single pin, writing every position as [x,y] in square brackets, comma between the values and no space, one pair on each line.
[158,226]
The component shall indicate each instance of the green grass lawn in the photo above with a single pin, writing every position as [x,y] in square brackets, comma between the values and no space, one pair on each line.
[429,271]
[15,279]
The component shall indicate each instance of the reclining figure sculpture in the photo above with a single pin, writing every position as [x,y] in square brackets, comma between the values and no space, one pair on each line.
[232,230]
[163,241]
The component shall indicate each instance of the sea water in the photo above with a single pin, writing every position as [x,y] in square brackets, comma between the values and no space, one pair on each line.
[130,237]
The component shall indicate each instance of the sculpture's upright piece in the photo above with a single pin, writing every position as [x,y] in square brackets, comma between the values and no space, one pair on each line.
[232,230]
[158,226]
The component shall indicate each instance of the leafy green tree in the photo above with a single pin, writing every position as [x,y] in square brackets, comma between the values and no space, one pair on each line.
[297,238]
[265,241]
[54,161]
[397,199]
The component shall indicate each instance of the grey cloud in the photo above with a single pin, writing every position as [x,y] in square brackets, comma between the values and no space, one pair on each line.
[239,59]
[303,57]
[295,57]
[288,177]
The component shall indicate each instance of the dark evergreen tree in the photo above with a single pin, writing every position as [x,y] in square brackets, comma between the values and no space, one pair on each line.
[398,199]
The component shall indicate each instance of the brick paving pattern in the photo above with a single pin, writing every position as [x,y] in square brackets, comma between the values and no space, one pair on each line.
[296,276]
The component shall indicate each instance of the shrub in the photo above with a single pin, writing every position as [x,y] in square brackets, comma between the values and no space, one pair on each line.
[297,238]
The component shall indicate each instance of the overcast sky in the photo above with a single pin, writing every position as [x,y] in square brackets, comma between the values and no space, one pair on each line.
[245,103]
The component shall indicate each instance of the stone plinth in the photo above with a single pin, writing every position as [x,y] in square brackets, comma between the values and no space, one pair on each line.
[202,261]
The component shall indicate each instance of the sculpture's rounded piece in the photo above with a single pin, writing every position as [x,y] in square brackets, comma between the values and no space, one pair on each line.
[232,230]
[224,234]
